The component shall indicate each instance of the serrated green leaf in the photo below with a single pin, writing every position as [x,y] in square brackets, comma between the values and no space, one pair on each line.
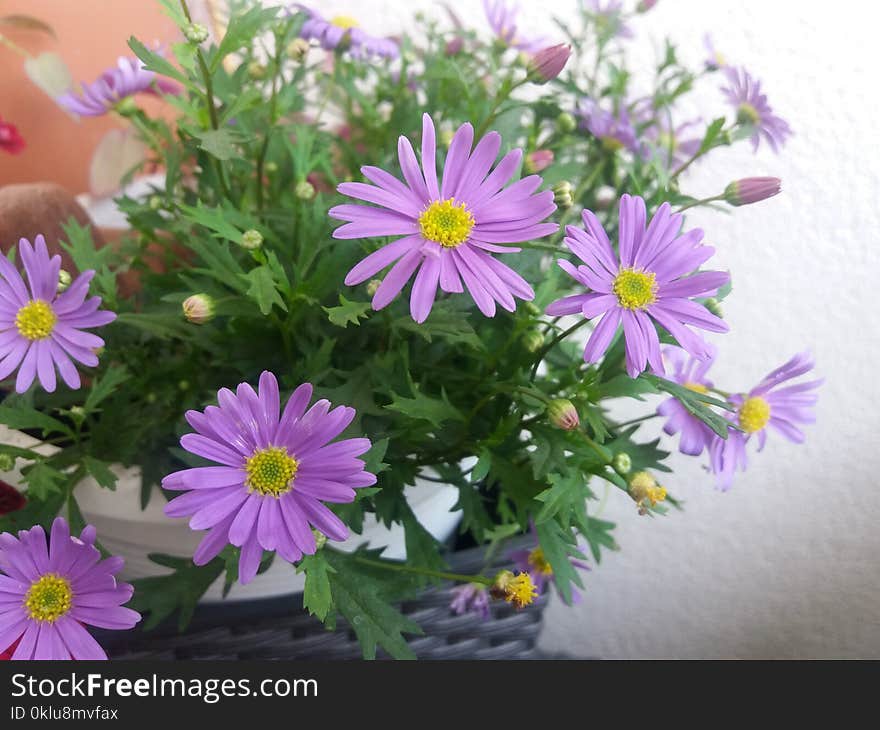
[565,491]
[43,481]
[425,408]
[100,471]
[262,289]
[21,417]
[560,546]
[347,312]
[155,62]
[317,596]
[221,143]
[695,403]
[105,386]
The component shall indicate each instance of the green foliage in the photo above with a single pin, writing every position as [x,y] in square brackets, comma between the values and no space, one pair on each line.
[459,398]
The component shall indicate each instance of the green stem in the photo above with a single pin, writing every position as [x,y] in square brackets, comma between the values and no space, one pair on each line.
[697,203]
[556,340]
[403,568]
[209,101]
[507,88]
[636,420]
[14,46]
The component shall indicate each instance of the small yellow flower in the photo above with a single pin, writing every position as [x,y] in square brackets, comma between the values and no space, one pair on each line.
[645,491]
[518,590]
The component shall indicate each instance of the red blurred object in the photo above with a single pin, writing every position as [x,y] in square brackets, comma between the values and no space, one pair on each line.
[11,500]
[5,656]
[10,139]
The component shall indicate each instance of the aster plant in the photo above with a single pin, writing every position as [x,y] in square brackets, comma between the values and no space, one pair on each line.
[375,260]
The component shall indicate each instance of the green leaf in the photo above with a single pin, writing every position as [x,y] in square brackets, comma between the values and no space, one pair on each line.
[598,535]
[623,386]
[695,403]
[43,481]
[155,62]
[105,386]
[101,472]
[560,546]
[425,408]
[374,620]
[161,325]
[317,596]
[242,29]
[443,324]
[421,547]
[214,219]
[262,289]
[711,138]
[21,417]
[221,143]
[373,458]
[347,312]
[565,491]
[161,596]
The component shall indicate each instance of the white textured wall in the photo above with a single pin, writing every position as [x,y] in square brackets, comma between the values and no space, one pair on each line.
[786,564]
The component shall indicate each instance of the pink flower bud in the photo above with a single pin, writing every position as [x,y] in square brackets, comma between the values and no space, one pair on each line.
[454,46]
[563,414]
[752,190]
[548,63]
[539,160]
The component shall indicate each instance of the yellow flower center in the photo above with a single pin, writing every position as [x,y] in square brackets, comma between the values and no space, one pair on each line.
[539,562]
[271,471]
[346,22]
[643,488]
[696,387]
[611,144]
[520,590]
[48,598]
[446,222]
[747,114]
[635,289]
[754,414]
[35,320]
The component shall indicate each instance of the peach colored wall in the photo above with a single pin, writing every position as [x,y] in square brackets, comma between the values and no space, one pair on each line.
[91,34]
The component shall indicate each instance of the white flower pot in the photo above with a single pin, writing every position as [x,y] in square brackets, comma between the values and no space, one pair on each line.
[124,529]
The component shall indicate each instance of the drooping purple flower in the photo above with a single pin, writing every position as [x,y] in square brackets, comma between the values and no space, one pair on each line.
[534,562]
[674,145]
[115,84]
[450,227]
[502,17]
[753,109]
[275,470]
[47,593]
[615,130]
[470,598]
[651,280]
[714,58]
[344,33]
[691,373]
[40,329]
[767,405]
[608,16]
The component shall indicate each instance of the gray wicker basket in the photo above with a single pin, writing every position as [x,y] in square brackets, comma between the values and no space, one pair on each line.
[280,629]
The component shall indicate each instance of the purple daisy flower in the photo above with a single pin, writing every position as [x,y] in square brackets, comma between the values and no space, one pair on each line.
[691,373]
[47,593]
[115,84]
[765,406]
[614,130]
[608,16]
[673,145]
[470,598]
[534,562]
[451,227]
[40,329]
[276,469]
[502,17]
[753,109]
[343,32]
[651,279]
[714,58]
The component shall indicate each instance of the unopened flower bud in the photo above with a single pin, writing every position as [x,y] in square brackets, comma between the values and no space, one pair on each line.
[198,308]
[155,202]
[518,590]
[7,462]
[298,49]
[533,340]
[373,286]
[563,414]
[714,306]
[566,123]
[538,160]
[454,46]
[256,70]
[563,194]
[271,167]
[195,33]
[645,491]
[183,385]
[752,190]
[622,463]
[251,239]
[548,63]
[126,107]
[64,280]
[78,413]
[532,309]
[304,190]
